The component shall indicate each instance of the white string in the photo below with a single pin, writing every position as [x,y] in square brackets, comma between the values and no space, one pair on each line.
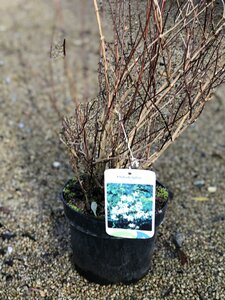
[134,161]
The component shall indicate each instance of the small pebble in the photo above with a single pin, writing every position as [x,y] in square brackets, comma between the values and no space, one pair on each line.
[199,183]
[7,80]
[56,164]
[3,252]
[9,250]
[13,98]
[8,277]
[179,239]
[42,294]
[212,189]
[9,262]
[7,235]
[78,43]
[1,63]
[2,28]
[21,125]
[29,235]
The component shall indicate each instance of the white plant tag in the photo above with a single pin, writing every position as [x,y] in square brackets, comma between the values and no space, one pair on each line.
[130,203]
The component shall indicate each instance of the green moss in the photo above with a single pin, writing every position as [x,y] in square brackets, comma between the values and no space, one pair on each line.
[74,207]
[69,194]
[68,190]
[162,193]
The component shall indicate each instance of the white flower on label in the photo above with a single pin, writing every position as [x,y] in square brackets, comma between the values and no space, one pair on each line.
[135,194]
[140,215]
[138,206]
[114,210]
[125,210]
[129,198]
[132,225]
[123,198]
[130,218]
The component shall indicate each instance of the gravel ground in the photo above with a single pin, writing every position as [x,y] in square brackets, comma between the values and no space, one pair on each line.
[34,248]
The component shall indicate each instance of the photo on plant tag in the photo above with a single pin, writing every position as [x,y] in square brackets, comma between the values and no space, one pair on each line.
[130,206]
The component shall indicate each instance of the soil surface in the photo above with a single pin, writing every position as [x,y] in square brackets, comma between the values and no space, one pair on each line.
[35,255]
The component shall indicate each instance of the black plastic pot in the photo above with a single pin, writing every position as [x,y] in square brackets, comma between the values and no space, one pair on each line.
[104,259]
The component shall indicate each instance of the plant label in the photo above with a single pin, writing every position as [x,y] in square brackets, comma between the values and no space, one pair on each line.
[130,203]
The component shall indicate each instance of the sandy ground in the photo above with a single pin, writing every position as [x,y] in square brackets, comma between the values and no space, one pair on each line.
[34,240]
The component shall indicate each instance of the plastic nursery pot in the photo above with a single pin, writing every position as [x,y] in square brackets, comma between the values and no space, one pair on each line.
[104,259]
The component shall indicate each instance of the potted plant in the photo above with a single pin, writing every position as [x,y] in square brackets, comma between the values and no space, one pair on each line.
[156,74]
